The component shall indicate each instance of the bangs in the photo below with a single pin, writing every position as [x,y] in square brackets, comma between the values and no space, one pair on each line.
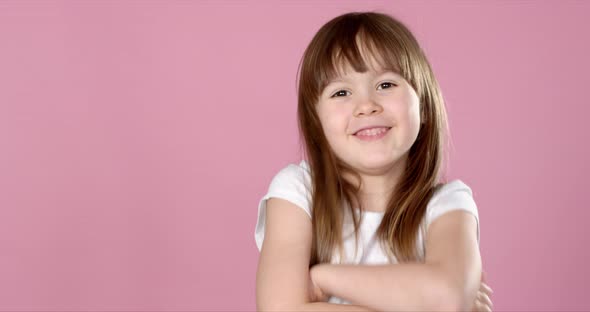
[346,49]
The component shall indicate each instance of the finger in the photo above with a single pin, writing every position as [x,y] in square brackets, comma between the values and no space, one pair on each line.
[483,287]
[476,306]
[481,307]
[486,289]
[483,298]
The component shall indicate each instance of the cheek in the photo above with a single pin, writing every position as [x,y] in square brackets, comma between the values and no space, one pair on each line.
[407,117]
[411,111]
[333,122]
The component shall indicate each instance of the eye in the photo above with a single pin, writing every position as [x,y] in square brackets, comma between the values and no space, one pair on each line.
[339,92]
[389,84]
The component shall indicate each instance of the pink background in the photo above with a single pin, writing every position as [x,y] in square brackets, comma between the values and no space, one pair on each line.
[136,139]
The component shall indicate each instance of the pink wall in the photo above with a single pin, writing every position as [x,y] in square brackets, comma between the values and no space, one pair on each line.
[136,139]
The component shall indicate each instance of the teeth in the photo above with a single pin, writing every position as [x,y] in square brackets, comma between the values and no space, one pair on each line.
[373,131]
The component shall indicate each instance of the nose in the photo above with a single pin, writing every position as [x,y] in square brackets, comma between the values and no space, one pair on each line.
[367,107]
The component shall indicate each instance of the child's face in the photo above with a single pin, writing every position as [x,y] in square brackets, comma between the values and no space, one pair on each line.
[370,99]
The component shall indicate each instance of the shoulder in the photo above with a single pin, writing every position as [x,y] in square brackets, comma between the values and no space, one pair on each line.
[450,192]
[293,172]
[292,183]
[453,195]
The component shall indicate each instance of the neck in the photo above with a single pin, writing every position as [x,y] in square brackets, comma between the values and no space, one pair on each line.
[377,187]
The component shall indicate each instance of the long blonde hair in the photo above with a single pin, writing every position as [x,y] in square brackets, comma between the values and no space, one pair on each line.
[333,44]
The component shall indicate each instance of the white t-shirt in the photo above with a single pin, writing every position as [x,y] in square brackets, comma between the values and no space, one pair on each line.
[293,183]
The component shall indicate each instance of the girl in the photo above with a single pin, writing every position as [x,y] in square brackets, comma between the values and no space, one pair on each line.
[365,219]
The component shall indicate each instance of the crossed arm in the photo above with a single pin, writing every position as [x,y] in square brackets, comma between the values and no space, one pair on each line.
[447,280]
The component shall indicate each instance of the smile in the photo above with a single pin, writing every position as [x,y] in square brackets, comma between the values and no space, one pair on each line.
[372,134]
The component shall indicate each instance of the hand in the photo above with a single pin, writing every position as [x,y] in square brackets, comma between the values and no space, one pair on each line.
[315,293]
[482,300]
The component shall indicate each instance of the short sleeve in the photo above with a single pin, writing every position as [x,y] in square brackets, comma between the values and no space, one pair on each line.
[454,195]
[291,183]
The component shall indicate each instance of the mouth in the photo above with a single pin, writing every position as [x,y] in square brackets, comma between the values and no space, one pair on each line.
[372,134]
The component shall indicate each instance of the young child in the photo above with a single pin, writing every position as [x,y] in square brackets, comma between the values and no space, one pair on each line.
[366,219]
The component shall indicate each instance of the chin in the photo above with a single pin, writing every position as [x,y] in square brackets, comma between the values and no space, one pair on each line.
[376,163]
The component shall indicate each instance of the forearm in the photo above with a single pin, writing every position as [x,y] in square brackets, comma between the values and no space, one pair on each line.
[397,287]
